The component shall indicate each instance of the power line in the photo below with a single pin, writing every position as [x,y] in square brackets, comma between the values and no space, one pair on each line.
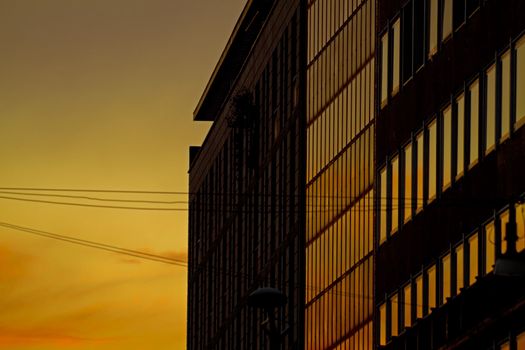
[97,245]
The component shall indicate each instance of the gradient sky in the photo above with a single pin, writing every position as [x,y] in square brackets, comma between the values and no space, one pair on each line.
[100,94]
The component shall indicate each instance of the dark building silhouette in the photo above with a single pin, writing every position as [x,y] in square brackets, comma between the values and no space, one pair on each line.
[451,152]
[367,159]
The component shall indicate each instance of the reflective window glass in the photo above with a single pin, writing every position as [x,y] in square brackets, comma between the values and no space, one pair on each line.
[458,13]
[520,341]
[408,183]
[447,19]
[394,313]
[396,52]
[384,69]
[490,113]
[473,259]
[419,296]
[447,146]
[503,219]
[395,194]
[520,81]
[419,33]
[432,295]
[433,27]
[490,247]
[460,276]
[520,226]
[505,94]
[382,324]
[407,306]
[505,346]
[460,160]
[419,171]
[432,160]
[406,56]
[474,123]
[382,206]
[446,278]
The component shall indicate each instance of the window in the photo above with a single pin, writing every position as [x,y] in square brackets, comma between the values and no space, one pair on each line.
[446,278]
[505,346]
[460,276]
[395,195]
[384,69]
[406,43]
[383,205]
[490,247]
[460,113]
[382,324]
[505,94]
[419,171]
[419,33]
[474,123]
[504,220]
[446,28]
[396,52]
[472,6]
[419,296]
[433,28]
[491,112]
[473,259]
[447,146]
[520,227]
[394,316]
[432,161]
[520,341]
[407,306]
[458,13]
[431,280]
[408,183]
[520,82]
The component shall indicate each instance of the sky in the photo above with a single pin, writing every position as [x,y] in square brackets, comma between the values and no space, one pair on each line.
[99,94]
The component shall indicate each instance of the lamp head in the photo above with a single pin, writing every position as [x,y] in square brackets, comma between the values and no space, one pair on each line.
[267,298]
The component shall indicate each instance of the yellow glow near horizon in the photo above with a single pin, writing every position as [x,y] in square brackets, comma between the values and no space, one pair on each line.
[100,94]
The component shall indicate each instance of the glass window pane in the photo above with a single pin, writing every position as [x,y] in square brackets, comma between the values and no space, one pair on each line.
[447,146]
[432,160]
[520,221]
[520,341]
[419,296]
[474,123]
[446,277]
[419,33]
[447,19]
[460,105]
[520,81]
[431,275]
[384,69]
[396,51]
[503,219]
[433,27]
[490,247]
[460,277]
[407,298]
[408,183]
[505,346]
[394,313]
[505,94]
[473,259]
[382,324]
[419,171]
[382,206]
[395,195]
[490,119]
[406,56]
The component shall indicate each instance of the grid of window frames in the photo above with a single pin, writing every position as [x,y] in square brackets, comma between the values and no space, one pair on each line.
[477,119]
[340,173]
[414,36]
[457,268]
[514,342]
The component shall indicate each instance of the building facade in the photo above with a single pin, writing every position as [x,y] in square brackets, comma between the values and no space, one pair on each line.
[367,159]
[451,152]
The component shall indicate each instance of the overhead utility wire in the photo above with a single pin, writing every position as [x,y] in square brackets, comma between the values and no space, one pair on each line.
[96,245]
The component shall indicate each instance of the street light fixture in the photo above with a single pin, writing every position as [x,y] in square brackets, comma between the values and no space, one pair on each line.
[510,264]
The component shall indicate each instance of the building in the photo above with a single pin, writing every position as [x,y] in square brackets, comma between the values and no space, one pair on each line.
[365,158]
[451,152]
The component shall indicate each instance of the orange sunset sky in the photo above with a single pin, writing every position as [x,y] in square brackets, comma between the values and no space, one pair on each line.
[99,94]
